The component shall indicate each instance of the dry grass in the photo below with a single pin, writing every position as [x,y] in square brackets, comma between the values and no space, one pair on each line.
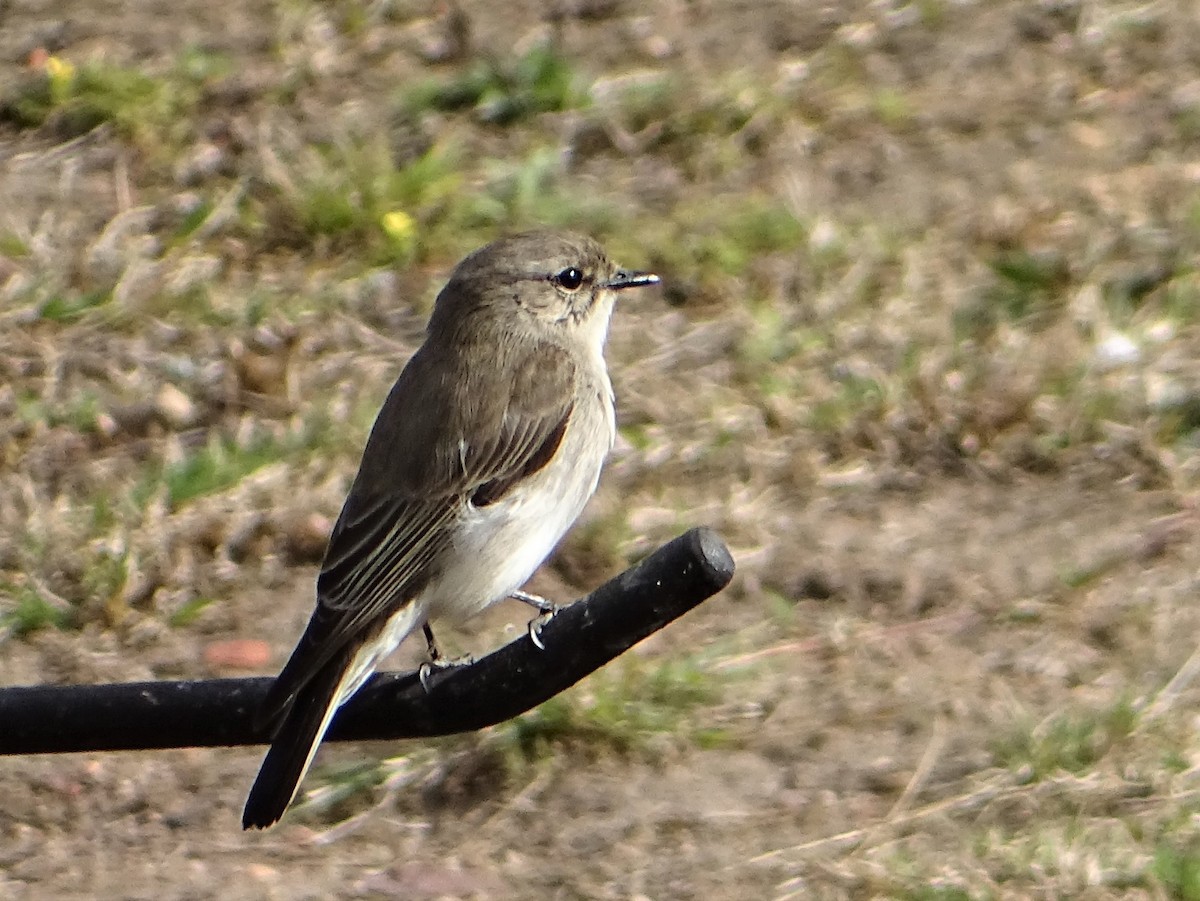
[926,356]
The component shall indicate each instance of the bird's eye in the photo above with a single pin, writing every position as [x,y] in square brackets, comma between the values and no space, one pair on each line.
[570,279]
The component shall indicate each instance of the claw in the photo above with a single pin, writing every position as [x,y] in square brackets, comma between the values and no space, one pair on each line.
[426,669]
[535,626]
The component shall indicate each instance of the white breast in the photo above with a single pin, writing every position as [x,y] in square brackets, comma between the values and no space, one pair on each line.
[500,545]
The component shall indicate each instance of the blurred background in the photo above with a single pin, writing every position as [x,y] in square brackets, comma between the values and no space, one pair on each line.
[926,354]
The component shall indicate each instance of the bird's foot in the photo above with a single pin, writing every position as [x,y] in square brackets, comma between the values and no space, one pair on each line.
[437,661]
[546,610]
[429,667]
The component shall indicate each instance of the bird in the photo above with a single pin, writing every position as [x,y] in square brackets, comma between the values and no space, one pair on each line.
[483,455]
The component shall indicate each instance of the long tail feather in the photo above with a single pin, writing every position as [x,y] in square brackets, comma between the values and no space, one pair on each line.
[294,745]
[301,721]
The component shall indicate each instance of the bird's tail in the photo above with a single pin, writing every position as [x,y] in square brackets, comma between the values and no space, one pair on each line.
[295,744]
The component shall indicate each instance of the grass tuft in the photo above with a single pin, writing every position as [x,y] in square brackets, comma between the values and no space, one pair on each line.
[151,109]
[24,611]
[623,709]
[504,92]
[1070,742]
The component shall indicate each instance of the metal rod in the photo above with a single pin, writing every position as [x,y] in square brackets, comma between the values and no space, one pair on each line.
[579,639]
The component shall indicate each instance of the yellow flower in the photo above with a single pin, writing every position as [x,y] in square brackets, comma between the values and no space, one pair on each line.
[61,74]
[59,70]
[400,227]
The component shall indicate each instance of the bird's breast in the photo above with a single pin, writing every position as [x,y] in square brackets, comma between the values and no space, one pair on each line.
[499,546]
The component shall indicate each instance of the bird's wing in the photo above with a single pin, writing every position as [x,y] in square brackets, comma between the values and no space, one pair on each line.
[430,452]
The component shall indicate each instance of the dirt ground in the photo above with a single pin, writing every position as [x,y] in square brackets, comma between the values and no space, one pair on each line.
[926,355]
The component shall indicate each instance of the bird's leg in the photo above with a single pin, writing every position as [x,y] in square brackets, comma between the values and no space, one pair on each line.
[546,610]
[431,643]
[536,601]
[436,660]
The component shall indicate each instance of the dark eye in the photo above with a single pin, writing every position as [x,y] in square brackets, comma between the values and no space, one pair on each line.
[570,279]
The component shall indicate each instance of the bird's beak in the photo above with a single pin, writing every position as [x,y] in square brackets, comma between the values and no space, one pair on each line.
[624,279]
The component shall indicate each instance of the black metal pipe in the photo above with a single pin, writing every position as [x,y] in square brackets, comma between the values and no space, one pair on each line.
[578,640]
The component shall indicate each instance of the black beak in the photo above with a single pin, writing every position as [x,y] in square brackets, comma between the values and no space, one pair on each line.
[624,279]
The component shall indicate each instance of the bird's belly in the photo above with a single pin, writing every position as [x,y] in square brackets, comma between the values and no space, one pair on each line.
[499,546]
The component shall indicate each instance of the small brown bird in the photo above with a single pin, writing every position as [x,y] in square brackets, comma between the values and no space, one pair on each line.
[483,455]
